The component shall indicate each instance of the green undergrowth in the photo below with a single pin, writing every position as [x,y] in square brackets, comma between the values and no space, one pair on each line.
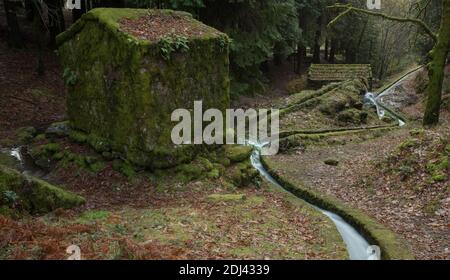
[78,150]
[21,194]
[303,139]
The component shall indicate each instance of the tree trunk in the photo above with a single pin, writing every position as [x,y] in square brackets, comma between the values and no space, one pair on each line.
[436,69]
[361,37]
[301,54]
[327,44]
[332,55]
[77,13]
[316,50]
[56,23]
[14,33]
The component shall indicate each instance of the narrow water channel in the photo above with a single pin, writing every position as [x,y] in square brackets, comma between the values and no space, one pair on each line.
[357,246]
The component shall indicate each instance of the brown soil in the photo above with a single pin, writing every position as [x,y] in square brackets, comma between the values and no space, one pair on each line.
[28,99]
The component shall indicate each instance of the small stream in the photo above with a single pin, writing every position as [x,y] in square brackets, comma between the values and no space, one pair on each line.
[23,162]
[377,99]
[357,246]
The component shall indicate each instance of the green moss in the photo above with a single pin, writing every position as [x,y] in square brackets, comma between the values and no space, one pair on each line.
[40,137]
[125,92]
[417,132]
[392,247]
[40,156]
[332,162]
[58,129]
[214,174]
[409,143]
[226,197]
[124,167]
[99,144]
[52,148]
[93,216]
[207,165]
[236,153]
[338,136]
[33,195]
[77,136]
[440,177]
[242,174]
[441,164]
[6,142]
[353,116]
[26,134]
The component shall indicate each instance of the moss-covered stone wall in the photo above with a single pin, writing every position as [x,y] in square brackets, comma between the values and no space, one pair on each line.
[122,90]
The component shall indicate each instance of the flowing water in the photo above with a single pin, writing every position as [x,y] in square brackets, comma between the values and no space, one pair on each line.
[377,100]
[357,246]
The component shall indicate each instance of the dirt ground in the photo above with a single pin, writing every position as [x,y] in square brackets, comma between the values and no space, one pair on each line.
[144,217]
[373,176]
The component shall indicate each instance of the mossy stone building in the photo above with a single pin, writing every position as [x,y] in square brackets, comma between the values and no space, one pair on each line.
[127,70]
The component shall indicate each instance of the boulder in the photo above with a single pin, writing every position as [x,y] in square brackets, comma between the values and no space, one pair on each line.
[33,195]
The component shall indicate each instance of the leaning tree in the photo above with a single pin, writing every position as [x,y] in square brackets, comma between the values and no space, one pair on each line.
[438,54]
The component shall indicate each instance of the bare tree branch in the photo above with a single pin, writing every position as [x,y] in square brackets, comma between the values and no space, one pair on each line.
[349,8]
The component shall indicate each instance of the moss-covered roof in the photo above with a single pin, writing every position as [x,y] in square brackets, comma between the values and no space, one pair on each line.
[339,72]
[111,19]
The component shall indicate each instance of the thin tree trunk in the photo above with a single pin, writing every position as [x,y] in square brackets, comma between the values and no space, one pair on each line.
[361,37]
[14,33]
[316,50]
[301,54]
[333,48]
[436,68]
[77,13]
[56,22]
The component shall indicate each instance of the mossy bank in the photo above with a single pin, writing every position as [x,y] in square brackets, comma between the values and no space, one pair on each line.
[391,245]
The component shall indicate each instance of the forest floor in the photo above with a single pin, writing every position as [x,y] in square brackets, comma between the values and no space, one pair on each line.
[144,217]
[389,177]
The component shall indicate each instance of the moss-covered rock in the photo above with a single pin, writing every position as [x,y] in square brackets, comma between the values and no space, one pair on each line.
[32,195]
[58,129]
[25,134]
[352,116]
[78,136]
[236,153]
[122,92]
[332,162]
[124,167]
[242,174]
